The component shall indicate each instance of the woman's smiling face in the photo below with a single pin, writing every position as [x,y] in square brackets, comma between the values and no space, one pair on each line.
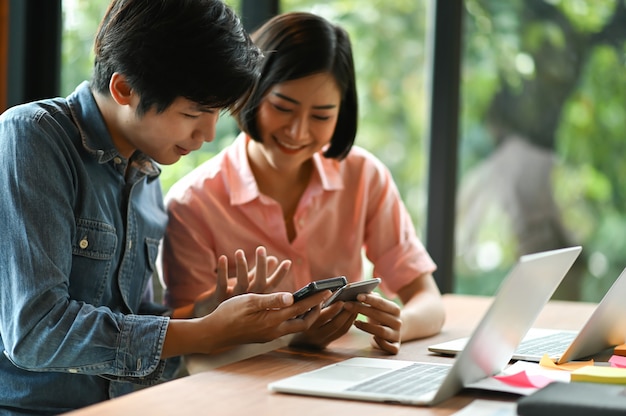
[297,118]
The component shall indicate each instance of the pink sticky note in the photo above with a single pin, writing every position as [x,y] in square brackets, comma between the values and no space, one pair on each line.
[522,379]
[618,361]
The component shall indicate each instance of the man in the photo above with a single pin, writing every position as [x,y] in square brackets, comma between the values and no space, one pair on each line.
[82,211]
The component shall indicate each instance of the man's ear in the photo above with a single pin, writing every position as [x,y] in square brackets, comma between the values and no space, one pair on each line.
[119,89]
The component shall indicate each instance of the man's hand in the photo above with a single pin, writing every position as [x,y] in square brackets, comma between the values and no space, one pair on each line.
[243,319]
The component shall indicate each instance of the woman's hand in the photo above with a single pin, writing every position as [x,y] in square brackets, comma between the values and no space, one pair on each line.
[263,278]
[333,322]
[383,320]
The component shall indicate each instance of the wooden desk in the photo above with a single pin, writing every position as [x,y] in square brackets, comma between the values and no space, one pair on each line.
[241,387]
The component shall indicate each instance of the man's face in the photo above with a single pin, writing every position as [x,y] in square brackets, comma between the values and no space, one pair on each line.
[165,137]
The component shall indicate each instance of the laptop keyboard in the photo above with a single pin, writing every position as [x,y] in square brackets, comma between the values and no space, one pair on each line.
[413,380]
[554,344]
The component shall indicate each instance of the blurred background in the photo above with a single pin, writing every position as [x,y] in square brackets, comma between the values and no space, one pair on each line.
[539,130]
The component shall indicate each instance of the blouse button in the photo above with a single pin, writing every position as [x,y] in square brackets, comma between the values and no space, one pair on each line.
[83,243]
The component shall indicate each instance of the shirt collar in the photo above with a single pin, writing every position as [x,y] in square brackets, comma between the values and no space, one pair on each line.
[328,171]
[243,186]
[94,134]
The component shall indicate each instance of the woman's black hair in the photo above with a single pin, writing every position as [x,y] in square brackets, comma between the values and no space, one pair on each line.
[296,45]
[195,49]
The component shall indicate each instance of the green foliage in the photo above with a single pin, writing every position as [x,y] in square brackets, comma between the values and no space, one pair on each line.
[587,15]
[597,113]
[80,19]
[589,178]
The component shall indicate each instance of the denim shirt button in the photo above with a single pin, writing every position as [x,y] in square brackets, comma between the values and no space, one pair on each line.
[83,243]
[117,160]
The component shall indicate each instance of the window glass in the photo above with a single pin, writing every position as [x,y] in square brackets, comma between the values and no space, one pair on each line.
[543,113]
[80,22]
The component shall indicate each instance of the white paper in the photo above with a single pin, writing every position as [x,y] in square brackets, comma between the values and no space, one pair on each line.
[488,408]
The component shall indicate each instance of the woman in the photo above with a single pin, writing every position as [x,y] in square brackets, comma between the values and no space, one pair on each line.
[293,182]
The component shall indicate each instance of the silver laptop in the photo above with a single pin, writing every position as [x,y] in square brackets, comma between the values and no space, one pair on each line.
[605,328]
[520,298]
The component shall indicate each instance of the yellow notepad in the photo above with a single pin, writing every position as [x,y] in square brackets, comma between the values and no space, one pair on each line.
[600,374]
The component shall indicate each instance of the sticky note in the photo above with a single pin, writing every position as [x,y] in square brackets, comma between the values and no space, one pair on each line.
[523,379]
[547,362]
[618,361]
[600,374]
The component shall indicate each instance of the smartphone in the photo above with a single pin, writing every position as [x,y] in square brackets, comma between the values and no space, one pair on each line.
[351,290]
[331,284]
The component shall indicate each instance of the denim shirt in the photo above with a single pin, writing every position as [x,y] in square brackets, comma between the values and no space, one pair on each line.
[80,239]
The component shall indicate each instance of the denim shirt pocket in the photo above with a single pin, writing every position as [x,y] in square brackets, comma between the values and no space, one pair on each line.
[93,250]
[151,274]
[152,250]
